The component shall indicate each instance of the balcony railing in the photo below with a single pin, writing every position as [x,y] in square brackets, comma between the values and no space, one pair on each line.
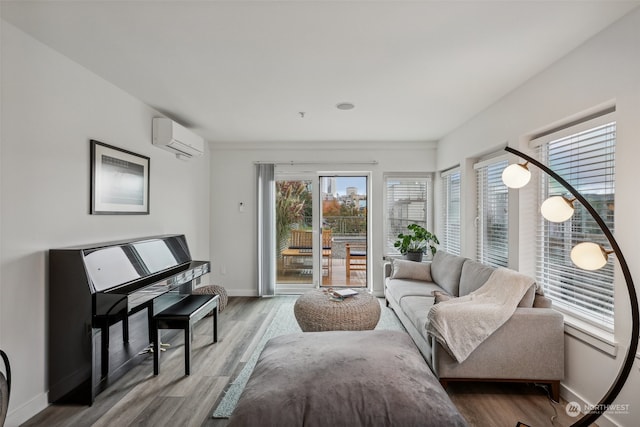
[345,226]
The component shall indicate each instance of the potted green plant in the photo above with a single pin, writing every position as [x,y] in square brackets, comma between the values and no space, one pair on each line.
[291,207]
[414,244]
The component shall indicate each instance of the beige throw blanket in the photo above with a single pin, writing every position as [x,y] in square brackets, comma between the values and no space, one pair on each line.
[462,324]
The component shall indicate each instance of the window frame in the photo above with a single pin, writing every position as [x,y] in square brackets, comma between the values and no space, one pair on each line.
[562,277]
[388,249]
[451,239]
[488,177]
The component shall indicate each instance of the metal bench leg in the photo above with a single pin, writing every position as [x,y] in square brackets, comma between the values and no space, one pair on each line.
[125,329]
[215,324]
[150,321]
[187,349]
[156,350]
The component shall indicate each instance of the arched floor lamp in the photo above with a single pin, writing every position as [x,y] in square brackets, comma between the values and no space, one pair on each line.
[589,256]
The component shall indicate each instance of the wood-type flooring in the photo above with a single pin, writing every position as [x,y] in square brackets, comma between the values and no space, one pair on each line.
[172,399]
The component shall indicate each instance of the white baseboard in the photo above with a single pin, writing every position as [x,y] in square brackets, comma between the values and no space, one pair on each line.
[242,292]
[570,396]
[23,413]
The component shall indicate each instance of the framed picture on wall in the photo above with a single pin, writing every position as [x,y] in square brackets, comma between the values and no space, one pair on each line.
[119,181]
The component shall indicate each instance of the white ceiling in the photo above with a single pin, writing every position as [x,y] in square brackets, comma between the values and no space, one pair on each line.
[243,70]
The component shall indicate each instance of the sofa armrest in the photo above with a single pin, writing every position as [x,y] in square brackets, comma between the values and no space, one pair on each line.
[541,301]
[388,268]
[530,345]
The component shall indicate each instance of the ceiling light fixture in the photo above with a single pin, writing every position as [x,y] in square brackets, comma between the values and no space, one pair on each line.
[345,106]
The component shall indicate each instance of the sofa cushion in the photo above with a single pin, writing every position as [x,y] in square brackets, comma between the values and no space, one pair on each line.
[446,270]
[417,309]
[400,288]
[473,276]
[404,269]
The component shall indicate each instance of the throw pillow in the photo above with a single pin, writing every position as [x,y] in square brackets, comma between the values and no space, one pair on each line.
[403,269]
[439,296]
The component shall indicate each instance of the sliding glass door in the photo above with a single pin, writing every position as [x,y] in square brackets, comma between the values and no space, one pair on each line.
[344,224]
[294,234]
[321,231]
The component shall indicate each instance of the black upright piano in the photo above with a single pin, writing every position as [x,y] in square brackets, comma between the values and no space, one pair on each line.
[102,299]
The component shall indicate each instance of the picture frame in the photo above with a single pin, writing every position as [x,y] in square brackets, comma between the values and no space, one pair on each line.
[119,181]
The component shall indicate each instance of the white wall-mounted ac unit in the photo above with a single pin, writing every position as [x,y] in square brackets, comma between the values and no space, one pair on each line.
[173,137]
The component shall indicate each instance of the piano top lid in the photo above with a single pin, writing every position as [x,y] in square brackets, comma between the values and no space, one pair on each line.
[113,264]
[89,246]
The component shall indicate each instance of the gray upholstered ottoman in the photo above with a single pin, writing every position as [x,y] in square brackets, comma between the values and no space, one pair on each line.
[344,378]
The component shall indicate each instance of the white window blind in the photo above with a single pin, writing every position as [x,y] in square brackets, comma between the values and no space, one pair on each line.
[407,201]
[492,221]
[450,239]
[585,159]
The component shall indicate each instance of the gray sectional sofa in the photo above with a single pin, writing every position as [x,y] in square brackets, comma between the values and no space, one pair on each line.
[529,347]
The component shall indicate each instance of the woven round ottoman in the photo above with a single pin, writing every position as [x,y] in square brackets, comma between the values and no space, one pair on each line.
[315,311]
[214,290]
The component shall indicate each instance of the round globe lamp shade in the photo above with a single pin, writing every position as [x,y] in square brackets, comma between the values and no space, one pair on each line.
[557,209]
[589,256]
[516,175]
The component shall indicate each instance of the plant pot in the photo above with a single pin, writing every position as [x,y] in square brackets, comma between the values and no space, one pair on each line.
[414,256]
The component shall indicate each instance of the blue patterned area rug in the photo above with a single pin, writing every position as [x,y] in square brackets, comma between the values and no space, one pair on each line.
[284,322]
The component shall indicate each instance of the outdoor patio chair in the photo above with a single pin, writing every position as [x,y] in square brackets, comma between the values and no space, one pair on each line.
[356,257]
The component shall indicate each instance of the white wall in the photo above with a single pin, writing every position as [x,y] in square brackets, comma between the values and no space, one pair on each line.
[604,71]
[233,180]
[51,108]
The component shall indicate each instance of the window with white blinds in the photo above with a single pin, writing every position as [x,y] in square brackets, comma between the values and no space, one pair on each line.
[585,159]
[450,238]
[492,221]
[407,201]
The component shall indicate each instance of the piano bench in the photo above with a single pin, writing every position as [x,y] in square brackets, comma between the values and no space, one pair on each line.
[183,315]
